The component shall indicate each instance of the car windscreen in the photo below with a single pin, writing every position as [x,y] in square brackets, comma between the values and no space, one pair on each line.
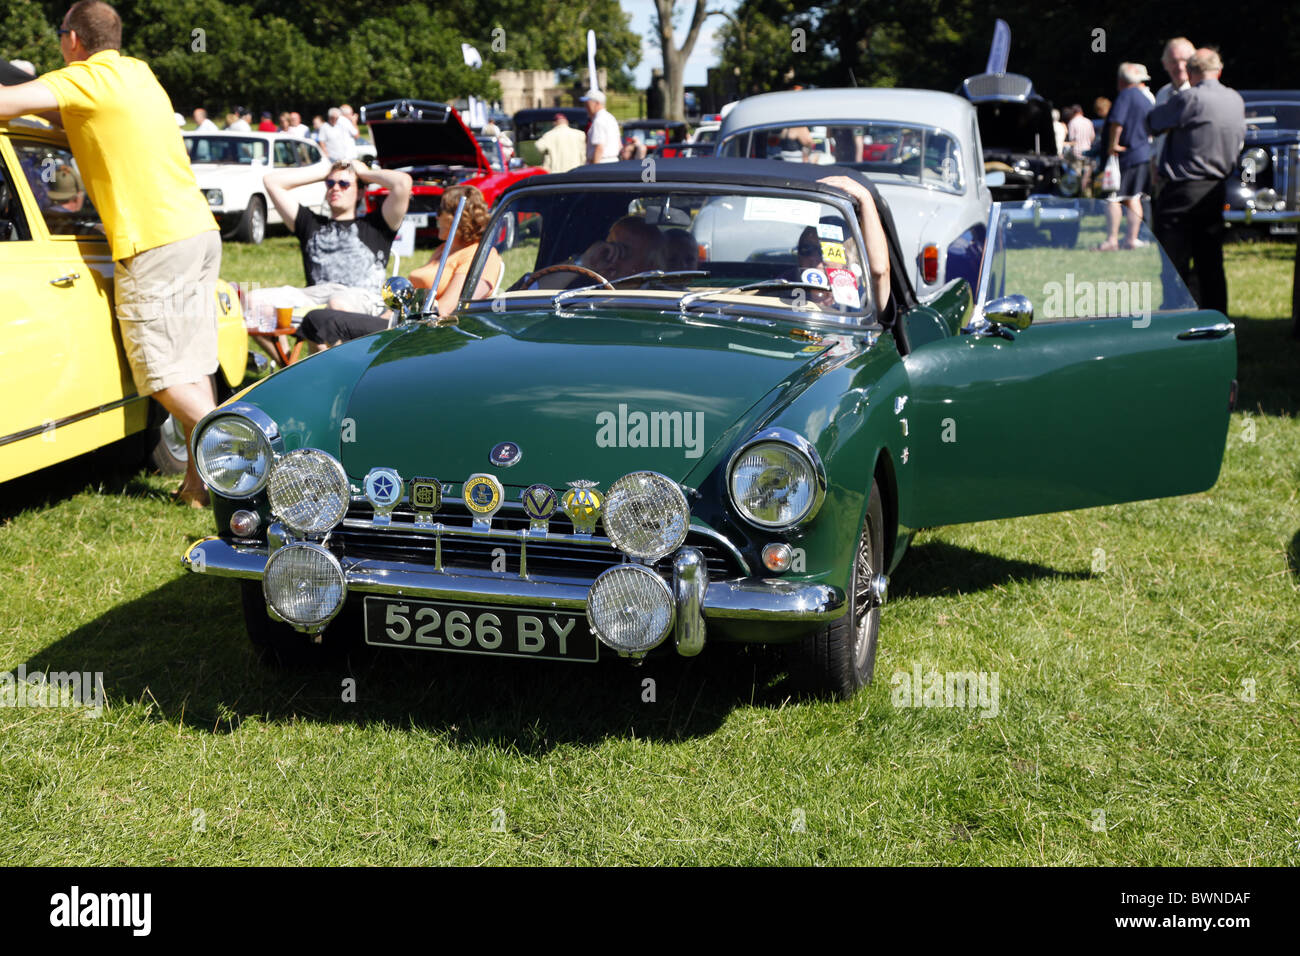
[1266,116]
[231,150]
[794,251]
[887,152]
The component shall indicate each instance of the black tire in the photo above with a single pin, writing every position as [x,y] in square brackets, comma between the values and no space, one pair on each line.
[840,659]
[252,227]
[278,642]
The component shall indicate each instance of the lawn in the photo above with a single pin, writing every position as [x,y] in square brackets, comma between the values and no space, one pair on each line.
[1146,656]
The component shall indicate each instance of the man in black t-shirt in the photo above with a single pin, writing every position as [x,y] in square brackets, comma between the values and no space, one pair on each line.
[344,258]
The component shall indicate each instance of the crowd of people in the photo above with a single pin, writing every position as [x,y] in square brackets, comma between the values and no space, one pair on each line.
[337,132]
[1173,149]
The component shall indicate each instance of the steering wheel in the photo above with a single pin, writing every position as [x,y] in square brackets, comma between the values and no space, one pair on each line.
[566,267]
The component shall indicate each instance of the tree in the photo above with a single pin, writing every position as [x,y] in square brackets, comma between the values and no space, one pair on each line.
[675,57]
[26,34]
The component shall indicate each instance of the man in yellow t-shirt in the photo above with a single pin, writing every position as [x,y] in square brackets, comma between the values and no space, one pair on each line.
[165,243]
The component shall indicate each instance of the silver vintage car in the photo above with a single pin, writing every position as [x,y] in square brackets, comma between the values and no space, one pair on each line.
[921,148]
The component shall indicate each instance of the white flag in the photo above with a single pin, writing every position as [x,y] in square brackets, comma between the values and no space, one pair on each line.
[471,56]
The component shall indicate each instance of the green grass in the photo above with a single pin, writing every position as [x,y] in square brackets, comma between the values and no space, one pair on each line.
[1121,691]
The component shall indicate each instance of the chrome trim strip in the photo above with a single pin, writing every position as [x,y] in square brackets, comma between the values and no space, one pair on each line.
[690,582]
[1216,331]
[744,599]
[504,534]
[71,419]
[1253,215]
[725,542]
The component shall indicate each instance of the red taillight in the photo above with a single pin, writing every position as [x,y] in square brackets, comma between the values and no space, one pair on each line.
[930,263]
[703,250]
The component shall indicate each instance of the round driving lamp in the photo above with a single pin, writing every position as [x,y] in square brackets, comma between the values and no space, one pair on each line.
[308,491]
[304,585]
[1069,183]
[233,456]
[646,515]
[775,484]
[630,609]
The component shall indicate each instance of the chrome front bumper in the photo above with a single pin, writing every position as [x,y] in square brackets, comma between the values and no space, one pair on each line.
[697,599]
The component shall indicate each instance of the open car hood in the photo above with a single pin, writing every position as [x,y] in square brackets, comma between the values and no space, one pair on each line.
[421,133]
[1011,126]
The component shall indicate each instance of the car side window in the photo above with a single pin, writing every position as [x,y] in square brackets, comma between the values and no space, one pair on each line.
[56,183]
[308,155]
[284,154]
[13,224]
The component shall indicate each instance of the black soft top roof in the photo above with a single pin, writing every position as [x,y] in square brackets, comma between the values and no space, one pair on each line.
[737,171]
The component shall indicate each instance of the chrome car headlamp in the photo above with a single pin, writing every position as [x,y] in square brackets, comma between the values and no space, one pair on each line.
[215,197]
[630,608]
[1253,162]
[308,491]
[776,481]
[233,456]
[304,584]
[646,515]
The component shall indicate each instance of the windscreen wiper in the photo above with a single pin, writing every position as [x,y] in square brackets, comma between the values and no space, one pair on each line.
[652,274]
[692,297]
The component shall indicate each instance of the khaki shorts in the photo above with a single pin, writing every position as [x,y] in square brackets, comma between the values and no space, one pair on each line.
[166,309]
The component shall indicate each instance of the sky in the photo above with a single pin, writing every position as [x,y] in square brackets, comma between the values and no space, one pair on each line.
[706,51]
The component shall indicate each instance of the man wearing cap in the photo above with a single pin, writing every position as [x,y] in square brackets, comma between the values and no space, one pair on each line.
[65,192]
[604,136]
[562,147]
[1206,127]
[165,245]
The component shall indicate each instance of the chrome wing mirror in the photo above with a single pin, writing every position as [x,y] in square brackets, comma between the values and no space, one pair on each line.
[1002,315]
[399,295]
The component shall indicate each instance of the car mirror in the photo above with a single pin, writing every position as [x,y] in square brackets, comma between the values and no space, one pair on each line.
[399,295]
[516,162]
[1013,311]
[995,179]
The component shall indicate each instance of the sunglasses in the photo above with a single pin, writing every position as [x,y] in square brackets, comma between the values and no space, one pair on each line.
[341,183]
[61,31]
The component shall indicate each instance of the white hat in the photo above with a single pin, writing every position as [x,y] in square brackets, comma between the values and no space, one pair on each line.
[596,95]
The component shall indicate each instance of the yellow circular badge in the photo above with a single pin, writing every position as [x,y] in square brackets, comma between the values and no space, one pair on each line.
[483,495]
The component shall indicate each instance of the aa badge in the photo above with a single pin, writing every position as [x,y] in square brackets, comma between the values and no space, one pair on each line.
[582,503]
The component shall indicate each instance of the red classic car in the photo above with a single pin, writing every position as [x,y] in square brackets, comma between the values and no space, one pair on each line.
[432,143]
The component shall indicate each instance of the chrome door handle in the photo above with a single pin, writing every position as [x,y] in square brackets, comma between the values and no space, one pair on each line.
[1208,331]
[65,280]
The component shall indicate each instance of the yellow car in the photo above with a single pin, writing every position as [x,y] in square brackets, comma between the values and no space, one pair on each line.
[65,387]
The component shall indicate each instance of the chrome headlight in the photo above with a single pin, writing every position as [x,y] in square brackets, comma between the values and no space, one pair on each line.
[646,515]
[1253,162]
[308,491]
[776,481]
[304,584]
[630,608]
[215,197]
[233,456]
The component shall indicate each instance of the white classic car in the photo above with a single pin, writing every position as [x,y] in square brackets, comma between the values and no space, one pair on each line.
[921,148]
[230,166]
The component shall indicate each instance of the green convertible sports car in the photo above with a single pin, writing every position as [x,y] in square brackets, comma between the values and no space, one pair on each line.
[684,416]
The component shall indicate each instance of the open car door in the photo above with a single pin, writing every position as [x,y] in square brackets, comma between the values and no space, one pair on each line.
[1119,389]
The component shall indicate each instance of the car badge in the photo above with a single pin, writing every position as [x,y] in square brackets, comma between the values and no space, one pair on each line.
[540,502]
[582,503]
[383,491]
[483,494]
[505,454]
[426,498]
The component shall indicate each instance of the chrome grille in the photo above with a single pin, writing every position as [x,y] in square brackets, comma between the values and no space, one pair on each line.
[998,86]
[585,559]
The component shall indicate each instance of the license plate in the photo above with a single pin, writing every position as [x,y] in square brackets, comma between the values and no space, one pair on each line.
[480,629]
[419,220]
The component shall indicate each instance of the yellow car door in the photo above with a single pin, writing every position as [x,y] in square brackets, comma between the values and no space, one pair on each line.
[66,387]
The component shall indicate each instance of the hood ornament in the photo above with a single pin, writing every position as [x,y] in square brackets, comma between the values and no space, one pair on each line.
[505,454]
